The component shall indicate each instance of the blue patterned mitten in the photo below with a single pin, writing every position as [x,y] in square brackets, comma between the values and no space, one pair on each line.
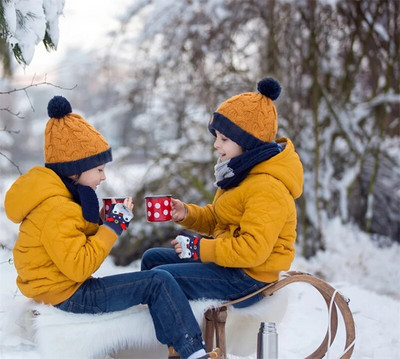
[190,246]
[118,218]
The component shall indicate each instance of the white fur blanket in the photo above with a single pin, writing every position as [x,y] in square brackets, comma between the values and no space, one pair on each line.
[130,332]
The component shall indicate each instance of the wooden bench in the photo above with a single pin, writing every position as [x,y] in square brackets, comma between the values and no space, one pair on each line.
[215,317]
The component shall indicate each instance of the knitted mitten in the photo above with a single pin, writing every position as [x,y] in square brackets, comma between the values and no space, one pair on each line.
[118,218]
[190,246]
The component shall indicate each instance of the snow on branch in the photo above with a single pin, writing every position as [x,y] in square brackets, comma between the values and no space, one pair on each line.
[24,24]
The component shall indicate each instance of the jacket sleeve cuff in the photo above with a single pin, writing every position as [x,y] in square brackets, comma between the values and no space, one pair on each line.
[207,250]
[186,213]
[107,235]
[189,219]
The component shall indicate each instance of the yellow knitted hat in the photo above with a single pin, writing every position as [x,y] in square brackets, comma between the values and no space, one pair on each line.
[71,144]
[250,118]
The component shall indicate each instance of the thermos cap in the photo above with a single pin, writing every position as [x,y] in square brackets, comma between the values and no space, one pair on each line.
[268,327]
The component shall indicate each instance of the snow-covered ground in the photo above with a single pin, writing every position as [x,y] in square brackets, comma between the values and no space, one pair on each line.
[369,276]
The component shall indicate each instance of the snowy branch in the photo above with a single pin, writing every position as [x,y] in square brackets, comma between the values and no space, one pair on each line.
[26,23]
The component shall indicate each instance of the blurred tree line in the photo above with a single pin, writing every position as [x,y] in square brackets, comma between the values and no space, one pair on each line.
[175,61]
[338,63]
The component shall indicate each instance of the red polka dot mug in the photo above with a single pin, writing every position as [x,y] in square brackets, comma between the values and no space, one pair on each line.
[158,208]
[107,202]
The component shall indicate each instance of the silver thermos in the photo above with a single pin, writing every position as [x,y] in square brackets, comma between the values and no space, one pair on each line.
[267,341]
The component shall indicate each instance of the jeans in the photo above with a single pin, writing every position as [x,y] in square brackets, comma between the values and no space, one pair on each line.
[173,319]
[203,280]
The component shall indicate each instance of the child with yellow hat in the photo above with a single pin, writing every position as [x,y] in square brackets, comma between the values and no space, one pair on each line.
[247,234]
[62,240]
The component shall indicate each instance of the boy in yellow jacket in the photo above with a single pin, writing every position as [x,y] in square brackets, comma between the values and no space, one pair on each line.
[248,232]
[62,240]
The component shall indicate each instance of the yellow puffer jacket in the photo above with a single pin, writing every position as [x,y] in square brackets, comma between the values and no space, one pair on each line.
[253,225]
[56,249]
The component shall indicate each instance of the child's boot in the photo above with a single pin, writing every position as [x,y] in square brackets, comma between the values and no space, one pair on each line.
[215,354]
[172,354]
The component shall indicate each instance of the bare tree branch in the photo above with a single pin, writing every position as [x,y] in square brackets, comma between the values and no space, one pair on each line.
[12,162]
[12,113]
[35,84]
[17,114]
[4,129]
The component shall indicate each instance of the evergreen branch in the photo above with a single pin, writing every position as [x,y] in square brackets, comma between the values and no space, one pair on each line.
[47,41]
[18,54]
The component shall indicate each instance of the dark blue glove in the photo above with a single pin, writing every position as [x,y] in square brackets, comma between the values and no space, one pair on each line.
[190,246]
[118,218]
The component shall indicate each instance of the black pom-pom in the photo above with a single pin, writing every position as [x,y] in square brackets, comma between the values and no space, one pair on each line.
[58,107]
[270,88]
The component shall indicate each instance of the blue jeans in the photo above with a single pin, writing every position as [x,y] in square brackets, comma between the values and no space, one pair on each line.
[172,315]
[203,280]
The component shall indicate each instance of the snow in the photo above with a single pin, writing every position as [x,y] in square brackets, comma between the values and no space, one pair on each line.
[352,263]
[26,21]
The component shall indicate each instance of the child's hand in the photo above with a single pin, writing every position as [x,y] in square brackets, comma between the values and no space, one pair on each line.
[177,245]
[120,215]
[178,212]
[127,202]
[187,246]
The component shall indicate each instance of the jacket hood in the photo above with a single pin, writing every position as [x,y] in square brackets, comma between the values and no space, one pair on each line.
[30,190]
[285,166]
